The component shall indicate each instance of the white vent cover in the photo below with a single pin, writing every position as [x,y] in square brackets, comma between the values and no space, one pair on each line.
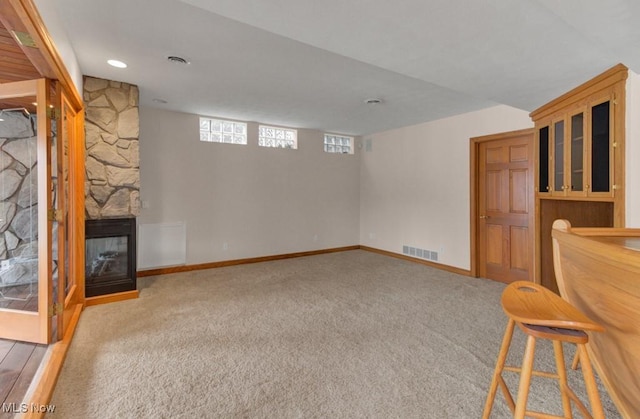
[420,253]
[162,244]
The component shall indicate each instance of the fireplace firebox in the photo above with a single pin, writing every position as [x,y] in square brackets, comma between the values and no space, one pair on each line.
[110,256]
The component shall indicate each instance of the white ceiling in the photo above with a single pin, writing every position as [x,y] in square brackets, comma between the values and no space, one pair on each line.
[311,63]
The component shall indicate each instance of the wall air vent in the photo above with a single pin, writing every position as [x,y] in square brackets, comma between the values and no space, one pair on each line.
[420,253]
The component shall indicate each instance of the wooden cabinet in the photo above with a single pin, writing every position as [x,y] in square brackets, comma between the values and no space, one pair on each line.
[579,161]
[576,151]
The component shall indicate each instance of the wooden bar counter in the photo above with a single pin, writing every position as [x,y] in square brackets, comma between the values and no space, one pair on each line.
[598,271]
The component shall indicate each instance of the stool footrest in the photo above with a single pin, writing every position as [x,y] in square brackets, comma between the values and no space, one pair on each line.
[510,402]
[534,372]
[533,414]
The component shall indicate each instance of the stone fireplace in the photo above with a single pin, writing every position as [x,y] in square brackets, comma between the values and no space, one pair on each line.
[112,186]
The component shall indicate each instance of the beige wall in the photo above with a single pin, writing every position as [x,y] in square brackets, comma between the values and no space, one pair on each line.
[414,183]
[49,15]
[258,201]
[411,189]
[632,151]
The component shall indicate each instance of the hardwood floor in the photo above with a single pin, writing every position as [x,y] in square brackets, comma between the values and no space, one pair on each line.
[19,362]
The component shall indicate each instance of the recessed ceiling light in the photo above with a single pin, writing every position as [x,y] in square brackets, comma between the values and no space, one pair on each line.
[177,60]
[117,63]
[159,101]
[373,101]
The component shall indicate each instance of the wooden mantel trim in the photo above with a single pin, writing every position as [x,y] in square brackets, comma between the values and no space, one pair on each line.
[610,77]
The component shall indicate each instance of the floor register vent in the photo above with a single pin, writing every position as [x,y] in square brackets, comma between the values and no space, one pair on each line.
[420,253]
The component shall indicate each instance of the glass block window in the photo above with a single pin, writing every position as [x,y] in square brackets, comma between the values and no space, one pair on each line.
[277,137]
[338,144]
[219,131]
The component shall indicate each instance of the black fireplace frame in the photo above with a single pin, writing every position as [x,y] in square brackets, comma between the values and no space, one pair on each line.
[113,227]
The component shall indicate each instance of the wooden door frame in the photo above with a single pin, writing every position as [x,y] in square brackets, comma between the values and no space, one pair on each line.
[23,16]
[474,154]
[75,210]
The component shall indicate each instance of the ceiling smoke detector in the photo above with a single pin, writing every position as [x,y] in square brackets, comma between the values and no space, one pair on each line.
[177,60]
[373,101]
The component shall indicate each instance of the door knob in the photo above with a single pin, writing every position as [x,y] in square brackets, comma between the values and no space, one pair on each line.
[484,216]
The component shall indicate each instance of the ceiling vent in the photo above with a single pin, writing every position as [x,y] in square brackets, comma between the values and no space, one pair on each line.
[177,60]
[373,101]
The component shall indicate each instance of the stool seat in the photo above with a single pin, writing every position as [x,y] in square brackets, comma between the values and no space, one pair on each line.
[527,302]
[555,333]
[541,314]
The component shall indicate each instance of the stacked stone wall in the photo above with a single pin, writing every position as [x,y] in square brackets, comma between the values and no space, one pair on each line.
[112,187]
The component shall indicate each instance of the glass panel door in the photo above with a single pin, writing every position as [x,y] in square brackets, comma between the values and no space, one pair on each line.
[543,160]
[577,152]
[19,207]
[600,148]
[25,239]
[558,156]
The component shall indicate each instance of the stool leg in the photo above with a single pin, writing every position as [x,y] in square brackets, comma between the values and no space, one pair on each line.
[590,383]
[562,378]
[576,360]
[502,356]
[525,378]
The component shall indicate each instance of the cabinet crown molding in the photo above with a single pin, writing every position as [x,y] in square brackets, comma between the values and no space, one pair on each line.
[611,77]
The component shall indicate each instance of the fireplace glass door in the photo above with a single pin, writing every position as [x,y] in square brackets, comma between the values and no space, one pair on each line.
[110,256]
[106,259]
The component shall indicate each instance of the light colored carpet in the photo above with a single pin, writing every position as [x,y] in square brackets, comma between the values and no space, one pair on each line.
[344,335]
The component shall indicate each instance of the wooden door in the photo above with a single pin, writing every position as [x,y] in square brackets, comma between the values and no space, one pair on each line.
[25,225]
[67,170]
[505,208]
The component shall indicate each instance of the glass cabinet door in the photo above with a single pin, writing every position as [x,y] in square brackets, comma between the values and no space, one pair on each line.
[558,157]
[543,160]
[577,153]
[600,148]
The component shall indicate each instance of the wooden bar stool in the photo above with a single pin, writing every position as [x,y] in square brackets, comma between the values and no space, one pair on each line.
[542,314]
